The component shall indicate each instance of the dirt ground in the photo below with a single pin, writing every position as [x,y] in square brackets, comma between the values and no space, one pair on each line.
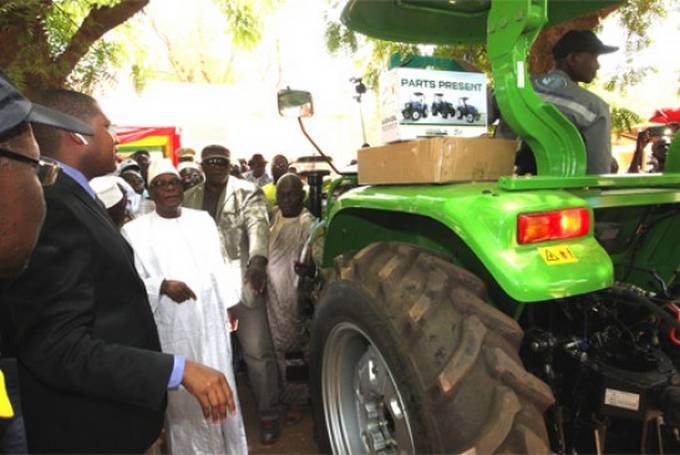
[297,438]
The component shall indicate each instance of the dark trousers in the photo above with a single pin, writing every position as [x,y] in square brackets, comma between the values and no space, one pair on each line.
[12,433]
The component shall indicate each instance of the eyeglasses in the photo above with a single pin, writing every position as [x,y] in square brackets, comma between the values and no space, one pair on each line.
[46,169]
[166,183]
[216,162]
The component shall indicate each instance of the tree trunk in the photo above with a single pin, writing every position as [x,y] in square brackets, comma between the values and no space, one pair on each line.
[25,51]
[541,59]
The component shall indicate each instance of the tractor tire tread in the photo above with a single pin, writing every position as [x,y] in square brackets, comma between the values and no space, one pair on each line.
[457,344]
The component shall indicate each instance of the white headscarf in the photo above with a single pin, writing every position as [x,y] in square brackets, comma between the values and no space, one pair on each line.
[107,190]
[134,200]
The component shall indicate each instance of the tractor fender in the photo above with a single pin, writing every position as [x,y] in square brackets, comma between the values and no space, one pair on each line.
[475,226]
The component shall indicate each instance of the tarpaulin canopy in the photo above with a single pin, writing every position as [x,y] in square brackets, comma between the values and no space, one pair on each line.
[131,134]
[666,115]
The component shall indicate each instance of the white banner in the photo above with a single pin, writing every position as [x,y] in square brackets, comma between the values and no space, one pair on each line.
[419,102]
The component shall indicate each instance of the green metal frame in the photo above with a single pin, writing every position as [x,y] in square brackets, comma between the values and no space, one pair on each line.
[556,143]
[590,181]
[441,21]
[509,28]
[475,223]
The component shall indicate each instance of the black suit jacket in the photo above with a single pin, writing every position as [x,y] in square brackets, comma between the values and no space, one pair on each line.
[92,377]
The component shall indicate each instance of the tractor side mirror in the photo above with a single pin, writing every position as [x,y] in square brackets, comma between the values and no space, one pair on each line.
[295,103]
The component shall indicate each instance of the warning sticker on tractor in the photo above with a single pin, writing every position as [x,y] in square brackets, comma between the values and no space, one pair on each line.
[558,254]
[621,399]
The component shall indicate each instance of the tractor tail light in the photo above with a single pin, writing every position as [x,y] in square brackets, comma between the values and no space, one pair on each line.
[555,225]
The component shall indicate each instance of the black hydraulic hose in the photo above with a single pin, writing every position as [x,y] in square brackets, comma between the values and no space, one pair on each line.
[644,301]
[318,149]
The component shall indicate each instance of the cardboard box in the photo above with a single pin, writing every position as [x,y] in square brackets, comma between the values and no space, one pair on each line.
[437,160]
[423,102]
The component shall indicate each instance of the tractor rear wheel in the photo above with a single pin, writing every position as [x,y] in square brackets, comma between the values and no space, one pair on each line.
[415,115]
[407,357]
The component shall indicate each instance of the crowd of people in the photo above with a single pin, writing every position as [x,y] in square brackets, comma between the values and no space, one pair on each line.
[118,313]
[127,188]
[127,283]
[223,238]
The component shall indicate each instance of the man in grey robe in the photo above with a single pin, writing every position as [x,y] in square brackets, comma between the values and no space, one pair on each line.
[290,229]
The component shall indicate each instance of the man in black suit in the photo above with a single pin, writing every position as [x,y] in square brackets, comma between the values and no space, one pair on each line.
[22,172]
[92,376]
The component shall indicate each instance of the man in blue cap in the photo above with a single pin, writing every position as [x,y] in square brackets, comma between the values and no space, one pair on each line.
[576,60]
[22,174]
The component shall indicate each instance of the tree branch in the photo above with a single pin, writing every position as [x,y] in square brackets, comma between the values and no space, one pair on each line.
[15,23]
[99,21]
[182,74]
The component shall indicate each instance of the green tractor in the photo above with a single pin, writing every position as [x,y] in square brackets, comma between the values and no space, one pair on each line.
[524,315]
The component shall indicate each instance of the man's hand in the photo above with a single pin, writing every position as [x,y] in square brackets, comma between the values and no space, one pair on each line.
[232,321]
[211,389]
[256,274]
[177,290]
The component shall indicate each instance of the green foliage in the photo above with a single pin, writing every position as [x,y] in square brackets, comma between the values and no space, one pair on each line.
[623,119]
[97,67]
[244,19]
[205,47]
[628,78]
[340,39]
[103,57]
[382,50]
[44,30]
[636,17]
[14,6]
[474,55]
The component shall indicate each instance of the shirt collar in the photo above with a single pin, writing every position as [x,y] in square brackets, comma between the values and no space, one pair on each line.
[80,179]
[561,73]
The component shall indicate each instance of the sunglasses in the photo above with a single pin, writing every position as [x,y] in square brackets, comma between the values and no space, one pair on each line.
[166,183]
[216,162]
[46,169]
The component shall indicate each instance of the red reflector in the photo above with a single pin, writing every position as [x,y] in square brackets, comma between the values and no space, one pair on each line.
[556,225]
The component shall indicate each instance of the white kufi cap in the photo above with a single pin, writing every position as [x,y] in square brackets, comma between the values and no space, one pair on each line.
[188,164]
[161,166]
